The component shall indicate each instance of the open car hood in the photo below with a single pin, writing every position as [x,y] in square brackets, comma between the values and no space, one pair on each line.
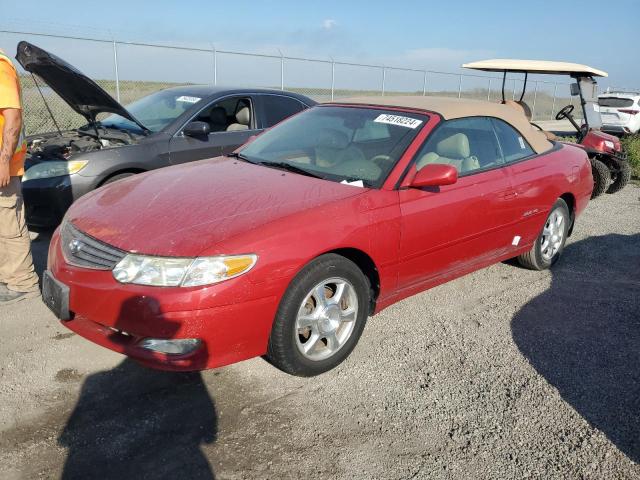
[83,94]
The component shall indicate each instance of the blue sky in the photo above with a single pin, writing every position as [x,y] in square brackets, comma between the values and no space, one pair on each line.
[422,34]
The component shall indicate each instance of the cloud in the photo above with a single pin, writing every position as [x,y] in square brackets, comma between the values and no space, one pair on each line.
[329,23]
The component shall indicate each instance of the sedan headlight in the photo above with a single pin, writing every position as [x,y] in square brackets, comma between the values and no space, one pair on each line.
[181,272]
[54,169]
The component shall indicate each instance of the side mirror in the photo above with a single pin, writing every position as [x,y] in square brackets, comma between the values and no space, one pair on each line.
[196,129]
[435,175]
[574,89]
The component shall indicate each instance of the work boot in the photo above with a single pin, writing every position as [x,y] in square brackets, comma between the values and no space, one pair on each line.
[7,297]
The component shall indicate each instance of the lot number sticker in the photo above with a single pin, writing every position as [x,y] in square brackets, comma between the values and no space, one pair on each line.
[188,99]
[398,120]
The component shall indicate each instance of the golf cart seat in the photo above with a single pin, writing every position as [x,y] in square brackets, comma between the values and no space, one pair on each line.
[522,107]
[453,150]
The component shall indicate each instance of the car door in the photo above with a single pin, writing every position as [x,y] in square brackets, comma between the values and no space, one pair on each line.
[448,230]
[226,131]
[532,178]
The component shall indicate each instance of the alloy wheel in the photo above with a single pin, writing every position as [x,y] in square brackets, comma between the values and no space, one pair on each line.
[326,318]
[552,234]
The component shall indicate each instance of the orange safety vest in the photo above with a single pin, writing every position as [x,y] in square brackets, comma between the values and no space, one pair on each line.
[16,167]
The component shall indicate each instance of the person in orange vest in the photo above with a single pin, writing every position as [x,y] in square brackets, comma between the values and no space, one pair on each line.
[18,279]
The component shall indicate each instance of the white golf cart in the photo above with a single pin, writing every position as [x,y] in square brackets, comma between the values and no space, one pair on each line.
[611,169]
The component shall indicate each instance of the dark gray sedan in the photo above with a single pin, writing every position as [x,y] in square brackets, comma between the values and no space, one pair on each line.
[168,127]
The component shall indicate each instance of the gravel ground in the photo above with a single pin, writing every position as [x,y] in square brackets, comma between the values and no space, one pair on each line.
[504,373]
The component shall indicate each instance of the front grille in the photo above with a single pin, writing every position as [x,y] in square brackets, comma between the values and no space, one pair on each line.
[82,250]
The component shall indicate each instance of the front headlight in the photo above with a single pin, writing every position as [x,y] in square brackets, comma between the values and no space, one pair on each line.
[609,144]
[54,169]
[181,272]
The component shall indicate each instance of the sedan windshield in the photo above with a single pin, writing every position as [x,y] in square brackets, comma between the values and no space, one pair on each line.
[353,144]
[154,111]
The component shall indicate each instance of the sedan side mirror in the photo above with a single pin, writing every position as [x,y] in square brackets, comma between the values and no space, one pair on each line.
[435,175]
[196,129]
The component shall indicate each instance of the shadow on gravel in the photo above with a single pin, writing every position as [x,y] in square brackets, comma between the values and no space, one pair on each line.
[135,422]
[583,335]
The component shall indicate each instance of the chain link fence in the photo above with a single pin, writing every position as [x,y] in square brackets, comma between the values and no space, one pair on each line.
[129,71]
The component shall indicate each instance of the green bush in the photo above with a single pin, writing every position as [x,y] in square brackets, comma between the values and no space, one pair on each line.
[631,145]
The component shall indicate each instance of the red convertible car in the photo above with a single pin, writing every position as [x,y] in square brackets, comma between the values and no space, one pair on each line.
[284,248]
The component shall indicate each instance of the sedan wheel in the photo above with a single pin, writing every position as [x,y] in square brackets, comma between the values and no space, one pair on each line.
[320,317]
[549,245]
[552,234]
[326,318]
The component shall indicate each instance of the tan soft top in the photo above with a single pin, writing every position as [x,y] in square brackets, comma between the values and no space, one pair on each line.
[534,66]
[450,108]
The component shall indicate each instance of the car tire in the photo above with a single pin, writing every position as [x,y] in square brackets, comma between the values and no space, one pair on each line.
[601,177]
[115,178]
[550,243]
[621,177]
[312,333]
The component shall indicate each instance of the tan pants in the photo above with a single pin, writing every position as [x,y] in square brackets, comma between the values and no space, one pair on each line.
[16,264]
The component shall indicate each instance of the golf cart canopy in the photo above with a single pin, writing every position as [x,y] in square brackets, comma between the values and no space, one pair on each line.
[535,66]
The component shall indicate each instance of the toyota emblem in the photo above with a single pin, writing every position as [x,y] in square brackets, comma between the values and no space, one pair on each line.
[75,246]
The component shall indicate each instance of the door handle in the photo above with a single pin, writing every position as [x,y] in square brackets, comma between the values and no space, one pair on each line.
[510,194]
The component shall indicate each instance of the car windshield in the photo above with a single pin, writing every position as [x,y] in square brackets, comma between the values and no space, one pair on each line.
[154,111]
[353,144]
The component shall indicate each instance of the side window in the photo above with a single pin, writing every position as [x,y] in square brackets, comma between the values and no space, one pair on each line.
[469,144]
[278,107]
[514,146]
[230,114]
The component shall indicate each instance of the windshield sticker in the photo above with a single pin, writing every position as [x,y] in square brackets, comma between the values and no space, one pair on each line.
[356,183]
[398,120]
[188,99]
[522,145]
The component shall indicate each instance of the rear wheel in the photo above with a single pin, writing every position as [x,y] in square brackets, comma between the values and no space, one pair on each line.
[621,177]
[601,177]
[549,245]
[320,318]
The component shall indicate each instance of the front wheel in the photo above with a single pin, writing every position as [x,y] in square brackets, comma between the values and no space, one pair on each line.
[621,177]
[549,245]
[320,318]
[601,177]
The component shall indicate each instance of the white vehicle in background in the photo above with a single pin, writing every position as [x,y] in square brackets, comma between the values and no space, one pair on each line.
[620,112]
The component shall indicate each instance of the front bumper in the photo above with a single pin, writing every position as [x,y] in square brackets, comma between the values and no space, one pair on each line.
[46,200]
[616,129]
[230,319]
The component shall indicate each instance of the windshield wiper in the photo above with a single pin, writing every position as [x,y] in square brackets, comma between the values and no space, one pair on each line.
[291,168]
[239,156]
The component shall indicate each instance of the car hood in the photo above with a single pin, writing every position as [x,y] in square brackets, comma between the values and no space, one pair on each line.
[188,209]
[81,93]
